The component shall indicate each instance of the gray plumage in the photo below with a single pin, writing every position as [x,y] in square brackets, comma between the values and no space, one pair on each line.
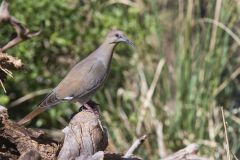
[83,80]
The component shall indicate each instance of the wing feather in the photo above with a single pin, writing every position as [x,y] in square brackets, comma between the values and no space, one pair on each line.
[50,100]
[82,80]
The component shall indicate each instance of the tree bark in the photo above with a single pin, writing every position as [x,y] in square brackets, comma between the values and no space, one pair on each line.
[84,139]
[84,136]
[17,140]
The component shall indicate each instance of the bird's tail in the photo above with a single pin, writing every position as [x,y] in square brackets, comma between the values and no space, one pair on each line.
[32,114]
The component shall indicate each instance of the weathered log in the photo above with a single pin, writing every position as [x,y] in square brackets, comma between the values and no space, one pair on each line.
[17,140]
[85,139]
[30,155]
[84,136]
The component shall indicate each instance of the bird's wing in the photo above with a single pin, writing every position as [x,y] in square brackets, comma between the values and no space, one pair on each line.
[50,100]
[67,88]
[83,79]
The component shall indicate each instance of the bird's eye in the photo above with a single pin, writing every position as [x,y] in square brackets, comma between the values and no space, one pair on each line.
[117,35]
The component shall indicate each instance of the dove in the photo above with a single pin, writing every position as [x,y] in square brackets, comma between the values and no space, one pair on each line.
[84,79]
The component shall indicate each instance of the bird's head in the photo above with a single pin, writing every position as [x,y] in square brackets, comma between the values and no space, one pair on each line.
[116,36]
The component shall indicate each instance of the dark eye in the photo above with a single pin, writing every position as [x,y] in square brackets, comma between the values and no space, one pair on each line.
[117,35]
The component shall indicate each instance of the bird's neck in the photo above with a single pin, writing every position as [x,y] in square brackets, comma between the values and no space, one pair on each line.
[105,52]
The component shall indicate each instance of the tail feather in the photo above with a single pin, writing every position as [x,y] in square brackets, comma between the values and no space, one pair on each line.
[32,114]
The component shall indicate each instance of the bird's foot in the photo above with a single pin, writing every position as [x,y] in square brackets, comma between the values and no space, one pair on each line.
[91,106]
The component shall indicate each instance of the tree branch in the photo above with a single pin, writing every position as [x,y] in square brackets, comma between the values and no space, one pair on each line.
[7,62]
[135,146]
[22,33]
[187,153]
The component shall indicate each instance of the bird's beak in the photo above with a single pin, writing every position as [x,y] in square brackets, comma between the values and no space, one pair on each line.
[126,40]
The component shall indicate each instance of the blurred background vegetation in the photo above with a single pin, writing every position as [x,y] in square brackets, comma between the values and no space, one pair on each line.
[171,85]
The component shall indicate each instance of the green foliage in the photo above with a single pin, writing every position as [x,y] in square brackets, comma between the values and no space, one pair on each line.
[187,96]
